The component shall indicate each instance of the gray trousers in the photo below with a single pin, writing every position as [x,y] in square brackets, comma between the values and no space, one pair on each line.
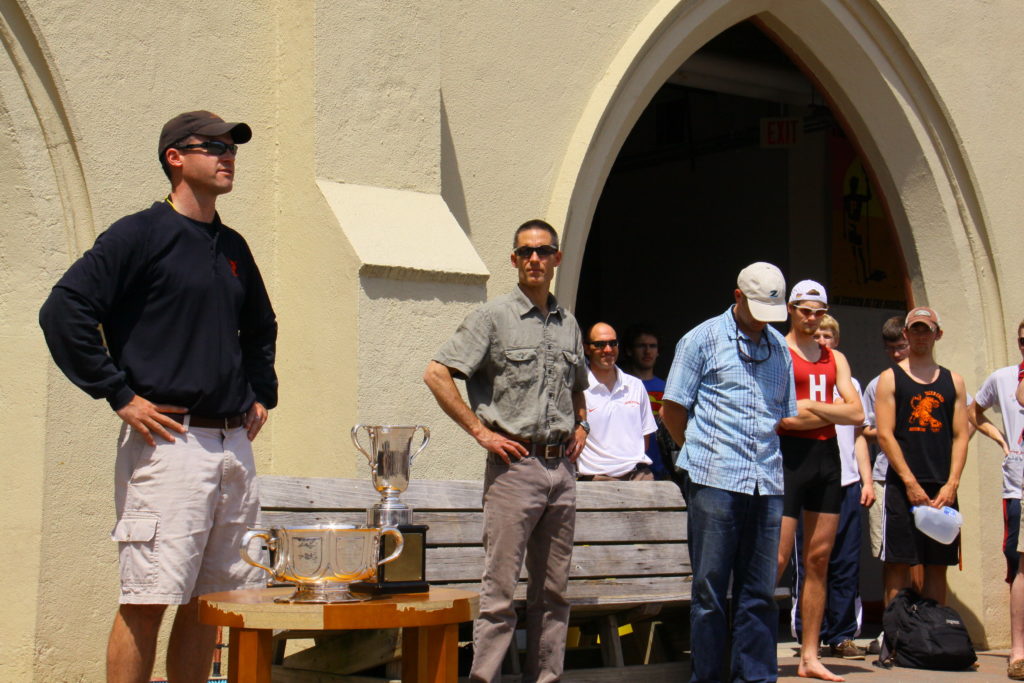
[529,510]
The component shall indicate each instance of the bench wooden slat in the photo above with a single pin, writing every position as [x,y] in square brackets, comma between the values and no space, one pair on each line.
[280,492]
[466,528]
[618,592]
[627,560]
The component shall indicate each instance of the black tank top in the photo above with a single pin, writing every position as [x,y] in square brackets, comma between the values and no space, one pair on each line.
[924,425]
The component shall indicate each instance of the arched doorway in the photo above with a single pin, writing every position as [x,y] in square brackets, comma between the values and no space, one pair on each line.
[852,50]
[738,158]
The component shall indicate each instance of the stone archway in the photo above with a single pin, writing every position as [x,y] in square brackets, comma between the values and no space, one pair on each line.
[47,222]
[891,108]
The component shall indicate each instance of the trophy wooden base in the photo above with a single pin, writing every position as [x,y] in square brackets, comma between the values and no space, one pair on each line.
[390,588]
[406,574]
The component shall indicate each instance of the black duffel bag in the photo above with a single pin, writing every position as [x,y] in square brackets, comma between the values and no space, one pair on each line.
[922,634]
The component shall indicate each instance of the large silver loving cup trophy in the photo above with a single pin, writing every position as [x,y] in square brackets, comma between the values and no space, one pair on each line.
[322,560]
[391,454]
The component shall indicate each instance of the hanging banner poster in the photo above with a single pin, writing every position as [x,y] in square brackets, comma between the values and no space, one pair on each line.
[867,269]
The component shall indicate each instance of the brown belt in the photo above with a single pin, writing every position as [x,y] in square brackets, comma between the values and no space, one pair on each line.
[639,469]
[545,451]
[212,422]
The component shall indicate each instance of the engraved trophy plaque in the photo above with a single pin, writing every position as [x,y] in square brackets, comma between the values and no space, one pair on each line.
[391,455]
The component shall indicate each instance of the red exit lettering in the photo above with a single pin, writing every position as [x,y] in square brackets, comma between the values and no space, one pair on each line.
[779,132]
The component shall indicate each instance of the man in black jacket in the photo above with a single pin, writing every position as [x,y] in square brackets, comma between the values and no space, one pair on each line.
[186,360]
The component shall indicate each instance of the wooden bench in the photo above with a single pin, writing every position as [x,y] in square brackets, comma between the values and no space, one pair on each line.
[630,562]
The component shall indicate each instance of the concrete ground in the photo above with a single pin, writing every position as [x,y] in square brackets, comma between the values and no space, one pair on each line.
[991,667]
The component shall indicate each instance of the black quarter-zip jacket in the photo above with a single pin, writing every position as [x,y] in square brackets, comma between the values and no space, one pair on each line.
[185,315]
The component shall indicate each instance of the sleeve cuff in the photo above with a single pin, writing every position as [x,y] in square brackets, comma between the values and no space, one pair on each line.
[120,398]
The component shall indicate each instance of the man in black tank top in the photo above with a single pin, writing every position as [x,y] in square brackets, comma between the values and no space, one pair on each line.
[922,427]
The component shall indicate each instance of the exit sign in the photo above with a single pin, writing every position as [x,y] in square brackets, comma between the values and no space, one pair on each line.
[779,132]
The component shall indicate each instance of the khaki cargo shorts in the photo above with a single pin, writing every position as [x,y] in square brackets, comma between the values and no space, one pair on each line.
[182,508]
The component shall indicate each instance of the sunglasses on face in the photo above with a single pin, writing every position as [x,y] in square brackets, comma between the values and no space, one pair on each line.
[215,147]
[1020,341]
[543,251]
[812,312]
[613,343]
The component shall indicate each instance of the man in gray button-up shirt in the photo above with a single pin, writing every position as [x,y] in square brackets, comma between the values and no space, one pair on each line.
[522,358]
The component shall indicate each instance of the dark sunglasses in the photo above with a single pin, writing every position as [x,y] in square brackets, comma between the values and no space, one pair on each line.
[746,357]
[544,251]
[614,343]
[215,147]
[1020,341]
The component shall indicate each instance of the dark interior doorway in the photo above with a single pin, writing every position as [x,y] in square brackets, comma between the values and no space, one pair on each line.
[736,159]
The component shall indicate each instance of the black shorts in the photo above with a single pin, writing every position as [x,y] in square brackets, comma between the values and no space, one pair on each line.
[812,475]
[1011,531]
[902,543]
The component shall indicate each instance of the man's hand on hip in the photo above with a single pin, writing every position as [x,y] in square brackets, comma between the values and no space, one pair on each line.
[502,446]
[575,445]
[255,418]
[147,418]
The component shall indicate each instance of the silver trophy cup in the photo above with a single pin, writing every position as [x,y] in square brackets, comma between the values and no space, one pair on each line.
[390,456]
[322,560]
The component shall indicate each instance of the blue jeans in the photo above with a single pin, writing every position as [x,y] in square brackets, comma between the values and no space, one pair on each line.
[733,535]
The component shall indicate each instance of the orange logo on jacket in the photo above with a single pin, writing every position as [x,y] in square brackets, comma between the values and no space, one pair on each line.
[922,406]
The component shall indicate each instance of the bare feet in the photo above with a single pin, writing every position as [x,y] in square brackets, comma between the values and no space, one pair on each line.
[813,668]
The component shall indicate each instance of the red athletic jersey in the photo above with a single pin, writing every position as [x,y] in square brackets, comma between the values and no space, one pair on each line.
[816,381]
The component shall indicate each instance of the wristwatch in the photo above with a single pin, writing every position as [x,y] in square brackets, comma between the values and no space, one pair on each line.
[584,424]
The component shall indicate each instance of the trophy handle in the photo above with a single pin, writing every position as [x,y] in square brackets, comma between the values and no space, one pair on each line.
[243,548]
[426,440]
[355,440]
[399,544]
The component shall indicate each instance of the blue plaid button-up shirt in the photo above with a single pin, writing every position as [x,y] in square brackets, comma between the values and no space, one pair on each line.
[735,392]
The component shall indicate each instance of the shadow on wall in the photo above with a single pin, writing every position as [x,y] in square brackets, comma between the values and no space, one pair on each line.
[452,191]
[424,290]
[972,621]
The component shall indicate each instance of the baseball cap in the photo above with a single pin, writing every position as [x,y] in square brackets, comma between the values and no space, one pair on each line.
[200,123]
[923,314]
[808,290]
[765,289]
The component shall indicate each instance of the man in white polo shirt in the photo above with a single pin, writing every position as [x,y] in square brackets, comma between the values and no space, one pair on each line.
[998,390]
[619,415]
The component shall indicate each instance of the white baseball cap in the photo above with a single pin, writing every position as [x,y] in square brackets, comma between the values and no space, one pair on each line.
[765,289]
[808,290]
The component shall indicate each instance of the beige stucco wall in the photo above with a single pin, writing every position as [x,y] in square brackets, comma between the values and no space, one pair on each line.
[491,112]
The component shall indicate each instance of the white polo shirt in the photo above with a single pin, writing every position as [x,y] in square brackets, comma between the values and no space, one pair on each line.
[1000,390]
[619,419]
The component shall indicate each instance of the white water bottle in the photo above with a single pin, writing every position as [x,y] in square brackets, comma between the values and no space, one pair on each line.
[942,525]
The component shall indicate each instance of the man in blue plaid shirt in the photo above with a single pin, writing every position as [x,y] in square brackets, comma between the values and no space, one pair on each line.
[731,382]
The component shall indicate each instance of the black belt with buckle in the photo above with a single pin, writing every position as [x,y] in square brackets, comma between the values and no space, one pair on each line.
[211,422]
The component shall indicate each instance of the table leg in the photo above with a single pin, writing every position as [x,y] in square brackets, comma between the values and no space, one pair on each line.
[249,655]
[430,654]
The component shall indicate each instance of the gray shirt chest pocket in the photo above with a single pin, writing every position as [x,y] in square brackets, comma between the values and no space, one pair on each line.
[571,360]
[521,366]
